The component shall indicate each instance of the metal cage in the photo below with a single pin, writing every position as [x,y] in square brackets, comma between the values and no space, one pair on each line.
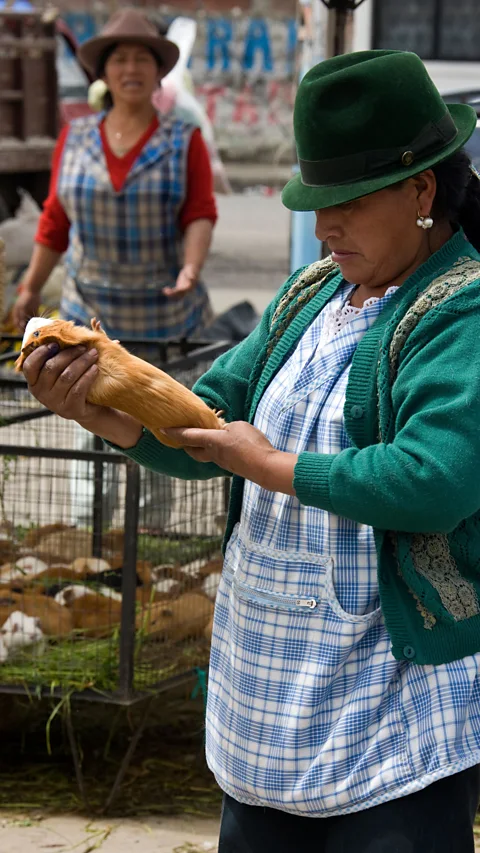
[108,573]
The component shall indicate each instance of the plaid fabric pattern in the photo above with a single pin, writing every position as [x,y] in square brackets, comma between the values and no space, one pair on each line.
[308,711]
[126,246]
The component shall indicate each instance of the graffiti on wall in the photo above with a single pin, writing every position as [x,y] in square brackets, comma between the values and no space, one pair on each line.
[221,38]
[243,69]
[251,120]
[256,48]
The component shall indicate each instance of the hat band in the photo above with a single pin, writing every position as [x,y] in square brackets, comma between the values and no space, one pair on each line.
[357,167]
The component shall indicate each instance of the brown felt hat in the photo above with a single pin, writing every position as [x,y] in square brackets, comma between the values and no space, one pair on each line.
[128,25]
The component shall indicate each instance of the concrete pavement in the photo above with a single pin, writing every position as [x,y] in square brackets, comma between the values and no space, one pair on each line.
[19,834]
[249,258]
[26,834]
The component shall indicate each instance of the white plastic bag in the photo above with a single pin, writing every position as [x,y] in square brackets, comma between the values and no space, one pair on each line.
[19,231]
[177,92]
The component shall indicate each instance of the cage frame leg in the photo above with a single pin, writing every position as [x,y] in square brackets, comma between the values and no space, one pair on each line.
[76,760]
[127,758]
[126,668]
[98,480]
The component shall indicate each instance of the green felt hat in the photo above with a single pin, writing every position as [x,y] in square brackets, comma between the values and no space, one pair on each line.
[366,120]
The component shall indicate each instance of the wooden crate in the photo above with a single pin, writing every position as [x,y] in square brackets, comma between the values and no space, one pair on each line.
[28,91]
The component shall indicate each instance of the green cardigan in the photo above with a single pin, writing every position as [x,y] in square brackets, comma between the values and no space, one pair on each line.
[412,413]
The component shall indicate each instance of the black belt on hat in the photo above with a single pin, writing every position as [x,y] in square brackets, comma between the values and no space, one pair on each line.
[367,164]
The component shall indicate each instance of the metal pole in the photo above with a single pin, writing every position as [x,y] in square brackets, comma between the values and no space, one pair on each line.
[129,581]
[2,280]
[226,494]
[97,500]
[341,8]
[340,26]
[304,246]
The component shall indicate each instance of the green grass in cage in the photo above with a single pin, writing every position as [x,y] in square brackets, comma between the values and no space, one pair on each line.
[70,665]
[93,664]
[76,662]
[160,549]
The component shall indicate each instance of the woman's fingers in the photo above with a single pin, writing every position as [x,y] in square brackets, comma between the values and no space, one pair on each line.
[197,453]
[78,392]
[46,366]
[61,382]
[48,355]
[74,370]
[35,361]
[190,436]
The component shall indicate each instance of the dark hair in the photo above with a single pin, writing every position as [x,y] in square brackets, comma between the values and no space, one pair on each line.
[458,194]
[100,69]
[161,26]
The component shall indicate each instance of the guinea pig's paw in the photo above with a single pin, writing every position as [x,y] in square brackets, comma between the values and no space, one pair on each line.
[96,326]
[218,413]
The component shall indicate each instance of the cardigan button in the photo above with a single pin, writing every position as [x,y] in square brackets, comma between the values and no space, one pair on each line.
[357,412]
[409,652]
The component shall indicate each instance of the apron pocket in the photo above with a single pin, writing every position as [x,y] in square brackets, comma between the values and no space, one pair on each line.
[362,619]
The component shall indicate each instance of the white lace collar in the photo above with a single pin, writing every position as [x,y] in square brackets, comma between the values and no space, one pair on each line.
[338,316]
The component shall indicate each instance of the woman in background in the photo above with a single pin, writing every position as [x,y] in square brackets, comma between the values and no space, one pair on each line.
[131,201]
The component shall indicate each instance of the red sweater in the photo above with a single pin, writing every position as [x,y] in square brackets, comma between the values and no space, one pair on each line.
[54,225]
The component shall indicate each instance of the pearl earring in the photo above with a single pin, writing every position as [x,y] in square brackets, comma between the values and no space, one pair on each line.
[424,222]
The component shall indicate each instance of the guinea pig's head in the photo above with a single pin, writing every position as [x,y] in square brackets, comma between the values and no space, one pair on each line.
[40,330]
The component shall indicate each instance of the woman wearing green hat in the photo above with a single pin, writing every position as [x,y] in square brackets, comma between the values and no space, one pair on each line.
[344,679]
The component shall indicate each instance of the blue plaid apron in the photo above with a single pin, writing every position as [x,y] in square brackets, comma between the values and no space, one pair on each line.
[308,710]
[126,246]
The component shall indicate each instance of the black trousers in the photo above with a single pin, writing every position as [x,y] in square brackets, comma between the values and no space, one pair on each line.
[438,819]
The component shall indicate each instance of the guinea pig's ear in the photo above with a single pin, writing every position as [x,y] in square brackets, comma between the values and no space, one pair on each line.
[57,338]
[19,363]
[68,335]
[45,339]
[23,355]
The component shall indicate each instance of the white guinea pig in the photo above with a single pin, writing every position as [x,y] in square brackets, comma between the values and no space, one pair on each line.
[17,631]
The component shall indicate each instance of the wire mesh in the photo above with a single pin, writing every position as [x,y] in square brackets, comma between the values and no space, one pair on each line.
[88,602]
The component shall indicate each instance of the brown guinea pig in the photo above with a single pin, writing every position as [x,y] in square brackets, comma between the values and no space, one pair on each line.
[54,620]
[182,619]
[124,381]
[94,614]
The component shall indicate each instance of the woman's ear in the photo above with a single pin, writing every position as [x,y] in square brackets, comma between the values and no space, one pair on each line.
[426,187]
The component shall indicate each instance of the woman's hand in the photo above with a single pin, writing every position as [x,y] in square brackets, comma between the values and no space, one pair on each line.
[186,282]
[242,449]
[62,379]
[41,266]
[25,307]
